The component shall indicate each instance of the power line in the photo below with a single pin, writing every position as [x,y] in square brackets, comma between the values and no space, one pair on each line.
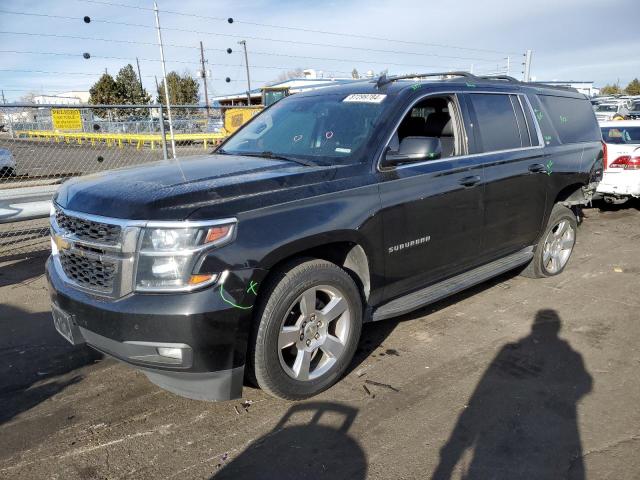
[306,30]
[131,42]
[216,49]
[183,30]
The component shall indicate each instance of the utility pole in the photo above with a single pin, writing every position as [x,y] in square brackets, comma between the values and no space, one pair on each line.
[246,62]
[204,78]
[166,84]
[140,78]
[508,64]
[3,99]
[527,66]
[164,138]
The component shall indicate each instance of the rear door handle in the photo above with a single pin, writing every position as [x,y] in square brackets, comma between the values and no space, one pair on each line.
[537,168]
[469,181]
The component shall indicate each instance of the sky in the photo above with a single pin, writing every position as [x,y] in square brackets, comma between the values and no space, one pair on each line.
[589,40]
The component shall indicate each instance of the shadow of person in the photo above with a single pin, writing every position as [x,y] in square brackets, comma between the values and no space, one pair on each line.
[521,421]
[310,450]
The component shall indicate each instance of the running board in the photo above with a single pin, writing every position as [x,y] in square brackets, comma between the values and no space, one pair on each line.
[452,285]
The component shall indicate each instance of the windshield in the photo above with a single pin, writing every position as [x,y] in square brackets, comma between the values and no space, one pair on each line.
[607,108]
[621,135]
[326,129]
[636,106]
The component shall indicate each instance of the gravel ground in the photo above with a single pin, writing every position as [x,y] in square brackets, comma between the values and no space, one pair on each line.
[517,378]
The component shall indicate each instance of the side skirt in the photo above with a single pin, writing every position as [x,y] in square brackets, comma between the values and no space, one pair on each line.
[452,285]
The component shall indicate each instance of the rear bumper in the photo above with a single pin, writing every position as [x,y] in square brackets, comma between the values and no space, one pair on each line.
[211,333]
[625,183]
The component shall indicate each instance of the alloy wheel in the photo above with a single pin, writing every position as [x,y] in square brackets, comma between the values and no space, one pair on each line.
[313,335]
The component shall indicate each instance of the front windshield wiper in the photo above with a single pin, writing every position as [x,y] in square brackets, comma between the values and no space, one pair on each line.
[276,156]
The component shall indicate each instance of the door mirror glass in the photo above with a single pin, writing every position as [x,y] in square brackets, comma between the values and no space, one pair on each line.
[413,149]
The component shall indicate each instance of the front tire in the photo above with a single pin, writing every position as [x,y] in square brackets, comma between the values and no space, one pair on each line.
[555,246]
[308,331]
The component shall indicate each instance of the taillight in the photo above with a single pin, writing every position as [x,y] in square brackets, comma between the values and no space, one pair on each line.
[604,153]
[627,162]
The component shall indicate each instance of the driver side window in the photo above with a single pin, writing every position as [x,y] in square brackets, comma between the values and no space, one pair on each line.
[431,123]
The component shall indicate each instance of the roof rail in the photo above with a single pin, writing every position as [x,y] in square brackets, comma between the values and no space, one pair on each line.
[383,79]
[500,77]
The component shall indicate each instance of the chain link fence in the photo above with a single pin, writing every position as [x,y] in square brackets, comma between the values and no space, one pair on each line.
[43,145]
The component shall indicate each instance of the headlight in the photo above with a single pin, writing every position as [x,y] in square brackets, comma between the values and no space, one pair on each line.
[169,254]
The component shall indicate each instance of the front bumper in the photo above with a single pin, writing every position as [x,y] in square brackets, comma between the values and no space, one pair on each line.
[207,324]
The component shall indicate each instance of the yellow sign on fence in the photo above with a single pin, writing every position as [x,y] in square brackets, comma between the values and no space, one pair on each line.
[66,119]
[234,118]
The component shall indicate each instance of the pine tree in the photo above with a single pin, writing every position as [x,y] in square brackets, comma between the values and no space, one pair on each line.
[104,91]
[183,90]
[633,88]
[611,89]
[130,88]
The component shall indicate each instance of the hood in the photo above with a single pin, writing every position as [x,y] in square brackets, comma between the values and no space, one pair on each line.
[172,190]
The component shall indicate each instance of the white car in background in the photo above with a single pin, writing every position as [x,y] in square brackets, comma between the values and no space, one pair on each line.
[610,110]
[621,179]
[7,163]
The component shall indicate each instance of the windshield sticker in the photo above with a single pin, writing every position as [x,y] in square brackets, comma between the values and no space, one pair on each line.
[297,138]
[365,98]
[343,150]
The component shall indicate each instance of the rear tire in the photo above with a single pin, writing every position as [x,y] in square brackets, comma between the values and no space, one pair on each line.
[308,331]
[555,246]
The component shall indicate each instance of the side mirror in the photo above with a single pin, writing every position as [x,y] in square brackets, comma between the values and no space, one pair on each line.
[413,149]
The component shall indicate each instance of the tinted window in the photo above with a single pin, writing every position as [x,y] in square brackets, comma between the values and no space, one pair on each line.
[621,135]
[496,125]
[549,134]
[572,118]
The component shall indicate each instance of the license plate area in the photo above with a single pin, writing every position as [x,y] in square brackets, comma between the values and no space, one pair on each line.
[64,324]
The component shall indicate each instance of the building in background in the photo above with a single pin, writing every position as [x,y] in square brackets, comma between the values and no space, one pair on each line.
[66,98]
[312,80]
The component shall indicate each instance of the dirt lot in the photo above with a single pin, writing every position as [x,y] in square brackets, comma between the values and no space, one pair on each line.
[482,383]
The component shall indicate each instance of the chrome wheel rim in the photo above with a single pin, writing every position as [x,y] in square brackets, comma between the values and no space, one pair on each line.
[314,332]
[558,246]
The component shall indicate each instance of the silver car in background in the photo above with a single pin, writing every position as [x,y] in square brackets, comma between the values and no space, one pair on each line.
[7,163]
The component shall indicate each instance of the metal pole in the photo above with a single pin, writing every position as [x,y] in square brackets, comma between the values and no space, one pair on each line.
[140,78]
[204,78]
[166,84]
[246,62]
[527,65]
[508,64]
[162,134]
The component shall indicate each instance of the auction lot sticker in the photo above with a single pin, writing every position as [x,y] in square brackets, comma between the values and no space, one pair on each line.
[365,98]
[66,119]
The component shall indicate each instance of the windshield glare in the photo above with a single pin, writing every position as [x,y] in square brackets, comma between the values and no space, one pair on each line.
[322,128]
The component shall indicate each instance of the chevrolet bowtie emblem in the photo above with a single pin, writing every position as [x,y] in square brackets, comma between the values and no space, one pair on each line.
[60,242]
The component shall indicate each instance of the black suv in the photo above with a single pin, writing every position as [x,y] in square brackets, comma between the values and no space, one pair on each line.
[331,208]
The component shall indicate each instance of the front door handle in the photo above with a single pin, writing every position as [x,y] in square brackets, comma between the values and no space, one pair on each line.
[537,168]
[469,181]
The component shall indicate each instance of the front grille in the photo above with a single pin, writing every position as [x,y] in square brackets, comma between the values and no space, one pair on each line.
[88,230]
[91,273]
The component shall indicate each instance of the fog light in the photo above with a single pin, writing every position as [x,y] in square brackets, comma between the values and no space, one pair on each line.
[170,352]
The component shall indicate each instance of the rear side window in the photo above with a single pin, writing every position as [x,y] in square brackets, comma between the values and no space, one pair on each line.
[573,118]
[496,123]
